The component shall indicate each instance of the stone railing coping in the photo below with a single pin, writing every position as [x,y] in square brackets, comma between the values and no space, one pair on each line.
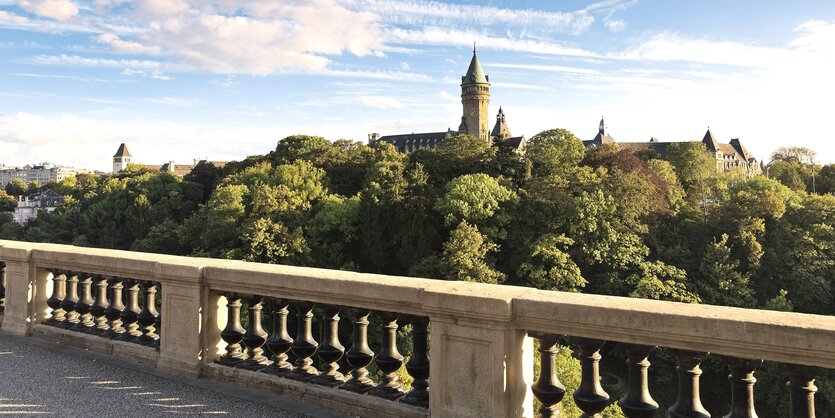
[778,336]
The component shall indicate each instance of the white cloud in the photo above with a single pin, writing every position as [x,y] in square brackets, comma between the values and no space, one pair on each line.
[131,72]
[615,25]
[422,13]
[128,47]
[381,102]
[465,38]
[405,65]
[75,60]
[551,68]
[171,101]
[7,17]
[53,9]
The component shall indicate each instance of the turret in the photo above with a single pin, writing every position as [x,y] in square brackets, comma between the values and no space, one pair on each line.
[475,96]
[121,159]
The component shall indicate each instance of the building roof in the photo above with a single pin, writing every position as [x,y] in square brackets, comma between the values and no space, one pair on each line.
[516,142]
[122,151]
[710,141]
[601,138]
[741,149]
[501,130]
[421,140]
[474,73]
[659,147]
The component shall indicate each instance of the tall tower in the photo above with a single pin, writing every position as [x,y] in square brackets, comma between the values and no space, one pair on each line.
[475,96]
[121,159]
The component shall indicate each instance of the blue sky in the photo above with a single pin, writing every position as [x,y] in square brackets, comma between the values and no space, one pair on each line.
[184,79]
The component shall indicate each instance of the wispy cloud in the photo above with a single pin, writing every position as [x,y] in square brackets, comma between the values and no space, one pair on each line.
[381,102]
[76,60]
[551,68]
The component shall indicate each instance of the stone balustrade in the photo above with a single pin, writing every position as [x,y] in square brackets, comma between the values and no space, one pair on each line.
[304,333]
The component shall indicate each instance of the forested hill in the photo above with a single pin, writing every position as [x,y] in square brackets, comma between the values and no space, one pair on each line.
[600,221]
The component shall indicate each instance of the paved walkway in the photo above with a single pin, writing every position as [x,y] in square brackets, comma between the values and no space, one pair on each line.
[42,378]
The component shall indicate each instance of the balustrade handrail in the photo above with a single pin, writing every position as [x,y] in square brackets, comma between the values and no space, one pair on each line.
[778,336]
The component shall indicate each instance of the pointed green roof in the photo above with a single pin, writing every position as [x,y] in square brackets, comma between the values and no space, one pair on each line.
[474,74]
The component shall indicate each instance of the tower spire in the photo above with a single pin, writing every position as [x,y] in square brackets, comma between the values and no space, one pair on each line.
[473,47]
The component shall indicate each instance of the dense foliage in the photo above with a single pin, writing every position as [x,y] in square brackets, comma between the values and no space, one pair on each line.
[602,221]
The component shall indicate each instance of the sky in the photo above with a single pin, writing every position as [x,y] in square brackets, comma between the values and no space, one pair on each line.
[223,79]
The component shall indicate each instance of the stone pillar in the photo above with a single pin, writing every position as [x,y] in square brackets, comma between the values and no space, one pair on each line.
[484,364]
[19,310]
[181,343]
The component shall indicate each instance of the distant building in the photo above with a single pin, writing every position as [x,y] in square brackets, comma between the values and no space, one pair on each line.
[475,97]
[728,156]
[122,158]
[28,206]
[42,173]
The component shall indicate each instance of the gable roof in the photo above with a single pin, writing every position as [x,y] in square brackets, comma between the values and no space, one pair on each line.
[122,151]
[710,141]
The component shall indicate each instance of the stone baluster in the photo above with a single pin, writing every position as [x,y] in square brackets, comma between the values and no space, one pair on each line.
[802,390]
[590,396]
[548,389]
[85,302]
[389,360]
[304,346]
[99,306]
[418,364]
[330,350]
[114,308]
[255,337]
[359,356]
[59,292]
[742,387]
[280,341]
[131,312]
[2,286]
[689,402]
[68,304]
[148,315]
[638,403]
[233,333]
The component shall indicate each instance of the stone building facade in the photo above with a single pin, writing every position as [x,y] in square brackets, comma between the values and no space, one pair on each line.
[475,99]
[41,173]
[730,156]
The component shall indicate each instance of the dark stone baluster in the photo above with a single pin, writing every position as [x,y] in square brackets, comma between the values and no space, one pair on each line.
[131,312]
[115,308]
[148,315]
[689,402]
[2,286]
[418,365]
[359,356]
[255,337]
[742,387]
[280,341]
[304,346]
[158,321]
[99,306]
[548,389]
[59,292]
[389,360]
[233,333]
[85,302]
[802,390]
[68,304]
[590,396]
[638,403]
[330,351]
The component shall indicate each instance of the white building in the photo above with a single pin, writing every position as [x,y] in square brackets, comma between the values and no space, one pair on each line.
[121,159]
[42,173]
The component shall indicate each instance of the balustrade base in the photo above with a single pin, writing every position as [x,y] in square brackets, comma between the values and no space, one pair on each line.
[329,381]
[334,399]
[254,365]
[420,400]
[126,350]
[357,387]
[229,361]
[391,394]
[276,371]
[302,376]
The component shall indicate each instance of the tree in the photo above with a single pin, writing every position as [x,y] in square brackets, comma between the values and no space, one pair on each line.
[695,168]
[554,151]
[7,203]
[549,266]
[478,200]
[295,147]
[454,157]
[465,256]
[720,282]
[16,187]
